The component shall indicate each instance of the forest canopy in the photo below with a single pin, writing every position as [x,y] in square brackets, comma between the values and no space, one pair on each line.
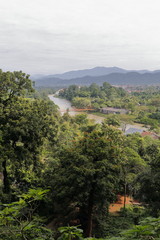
[63,172]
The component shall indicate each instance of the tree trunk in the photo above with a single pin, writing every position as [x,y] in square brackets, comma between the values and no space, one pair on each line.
[125,191]
[89,221]
[6,186]
[90,212]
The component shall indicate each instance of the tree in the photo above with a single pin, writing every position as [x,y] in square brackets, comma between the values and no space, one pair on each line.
[132,165]
[81,119]
[70,93]
[112,120]
[25,123]
[13,85]
[149,190]
[86,178]
[18,220]
[81,102]
[94,89]
[28,124]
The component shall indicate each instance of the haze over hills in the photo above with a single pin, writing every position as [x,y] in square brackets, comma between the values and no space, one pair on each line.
[97,71]
[112,75]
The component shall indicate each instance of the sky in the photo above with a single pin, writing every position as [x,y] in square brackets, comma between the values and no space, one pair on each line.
[55,36]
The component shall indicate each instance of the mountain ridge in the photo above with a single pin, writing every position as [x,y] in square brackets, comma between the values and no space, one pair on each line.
[129,78]
[96,71]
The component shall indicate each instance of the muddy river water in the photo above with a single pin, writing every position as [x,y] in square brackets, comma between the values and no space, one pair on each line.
[65,105]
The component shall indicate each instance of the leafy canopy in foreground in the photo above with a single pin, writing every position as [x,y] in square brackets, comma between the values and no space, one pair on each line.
[18,220]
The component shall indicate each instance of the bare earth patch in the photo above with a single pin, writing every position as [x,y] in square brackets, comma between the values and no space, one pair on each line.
[115,207]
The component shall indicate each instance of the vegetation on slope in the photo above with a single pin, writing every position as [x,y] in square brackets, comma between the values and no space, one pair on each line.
[83,165]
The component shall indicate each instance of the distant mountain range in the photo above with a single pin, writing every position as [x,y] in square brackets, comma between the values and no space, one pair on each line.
[112,75]
[97,71]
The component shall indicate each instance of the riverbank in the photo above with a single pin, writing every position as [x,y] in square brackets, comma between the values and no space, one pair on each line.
[127,120]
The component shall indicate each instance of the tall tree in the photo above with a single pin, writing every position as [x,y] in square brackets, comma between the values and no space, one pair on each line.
[13,85]
[28,124]
[132,165]
[25,123]
[87,174]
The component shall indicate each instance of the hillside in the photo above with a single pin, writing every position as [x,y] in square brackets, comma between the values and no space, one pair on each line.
[97,71]
[129,78]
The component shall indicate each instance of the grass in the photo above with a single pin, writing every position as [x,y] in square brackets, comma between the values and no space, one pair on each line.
[99,114]
[127,118]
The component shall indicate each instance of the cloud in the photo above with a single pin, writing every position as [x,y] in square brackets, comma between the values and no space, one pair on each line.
[40,36]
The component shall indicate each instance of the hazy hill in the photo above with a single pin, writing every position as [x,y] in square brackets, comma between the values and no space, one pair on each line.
[129,78]
[97,71]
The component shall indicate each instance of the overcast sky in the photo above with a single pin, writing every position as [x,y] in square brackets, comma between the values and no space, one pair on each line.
[54,36]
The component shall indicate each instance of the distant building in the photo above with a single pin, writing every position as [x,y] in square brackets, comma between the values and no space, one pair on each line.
[133,130]
[109,110]
[142,132]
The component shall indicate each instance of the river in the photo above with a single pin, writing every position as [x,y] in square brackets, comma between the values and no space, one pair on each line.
[65,105]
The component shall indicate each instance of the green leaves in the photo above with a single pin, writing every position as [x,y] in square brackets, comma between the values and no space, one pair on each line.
[18,219]
[13,85]
[148,229]
[87,175]
[69,233]
[25,128]
[34,194]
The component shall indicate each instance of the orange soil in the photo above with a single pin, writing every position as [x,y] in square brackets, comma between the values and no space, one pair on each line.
[115,207]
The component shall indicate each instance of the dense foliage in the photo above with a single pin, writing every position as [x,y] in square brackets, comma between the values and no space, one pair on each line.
[143,104]
[58,171]
[94,96]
